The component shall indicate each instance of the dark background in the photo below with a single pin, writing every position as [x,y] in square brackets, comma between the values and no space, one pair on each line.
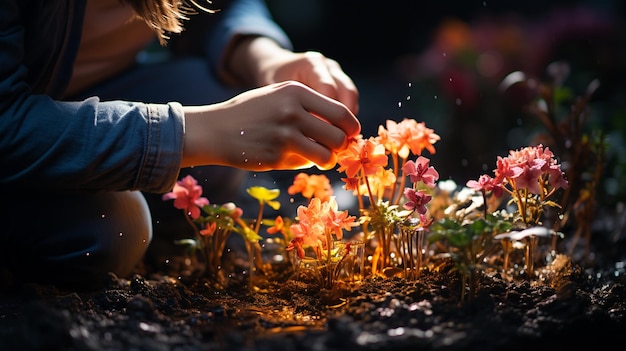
[420,59]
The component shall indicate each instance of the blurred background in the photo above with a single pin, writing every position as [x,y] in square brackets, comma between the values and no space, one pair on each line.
[442,62]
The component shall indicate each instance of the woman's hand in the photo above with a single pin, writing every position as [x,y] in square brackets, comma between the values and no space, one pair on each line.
[280,126]
[264,62]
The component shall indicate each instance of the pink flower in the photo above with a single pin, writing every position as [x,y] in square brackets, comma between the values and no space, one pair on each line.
[417,200]
[506,168]
[421,171]
[528,167]
[186,195]
[485,184]
[529,179]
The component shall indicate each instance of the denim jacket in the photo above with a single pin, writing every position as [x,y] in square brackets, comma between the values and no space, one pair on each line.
[49,144]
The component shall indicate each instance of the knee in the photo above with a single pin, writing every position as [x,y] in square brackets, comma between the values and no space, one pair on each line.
[125,234]
[86,237]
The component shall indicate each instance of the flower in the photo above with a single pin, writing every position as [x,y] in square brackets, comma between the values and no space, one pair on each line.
[278,227]
[485,184]
[420,170]
[407,136]
[380,183]
[315,185]
[186,196]
[366,155]
[336,220]
[265,196]
[297,244]
[318,219]
[209,229]
[417,200]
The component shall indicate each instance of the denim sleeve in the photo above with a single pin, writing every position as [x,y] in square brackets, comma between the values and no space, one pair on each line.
[53,145]
[90,145]
[242,17]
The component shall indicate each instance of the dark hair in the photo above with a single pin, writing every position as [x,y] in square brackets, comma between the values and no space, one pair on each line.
[167,16]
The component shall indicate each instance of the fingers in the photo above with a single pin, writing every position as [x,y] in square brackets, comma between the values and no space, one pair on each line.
[347,92]
[327,126]
[330,80]
[327,111]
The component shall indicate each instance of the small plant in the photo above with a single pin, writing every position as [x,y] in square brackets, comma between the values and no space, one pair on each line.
[213,225]
[564,117]
[469,243]
[365,164]
[320,227]
[210,235]
[530,176]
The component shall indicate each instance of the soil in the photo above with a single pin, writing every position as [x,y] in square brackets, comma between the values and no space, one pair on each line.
[573,302]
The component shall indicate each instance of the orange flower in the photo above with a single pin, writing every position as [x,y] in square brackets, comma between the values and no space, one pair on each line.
[315,185]
[278,226]
[408,135]
[367,155]
[335,220]
[209,230]
[422,138]
[380,183]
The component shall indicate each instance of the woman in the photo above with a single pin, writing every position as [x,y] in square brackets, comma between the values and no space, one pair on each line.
[86,127]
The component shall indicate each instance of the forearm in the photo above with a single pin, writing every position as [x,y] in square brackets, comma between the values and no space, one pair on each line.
[245,59]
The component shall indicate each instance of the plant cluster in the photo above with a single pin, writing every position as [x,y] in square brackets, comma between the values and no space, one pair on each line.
[403,212]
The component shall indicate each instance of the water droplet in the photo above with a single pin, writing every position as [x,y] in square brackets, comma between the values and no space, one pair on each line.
[243,153]
[436,97]
[399,104]
[410,84]
[103,215]
[245,160]
[242,132]
[87,254]
[121,234]
[450,79]
[291,200]
[259,164]
[143,241]
[167,261]
[408,98]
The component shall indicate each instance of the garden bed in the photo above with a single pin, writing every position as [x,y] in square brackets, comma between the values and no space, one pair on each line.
[572,306]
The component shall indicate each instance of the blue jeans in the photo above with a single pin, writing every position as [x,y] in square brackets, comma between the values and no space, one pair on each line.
[76,239]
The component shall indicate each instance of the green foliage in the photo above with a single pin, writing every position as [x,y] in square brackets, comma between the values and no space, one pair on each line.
[468,243]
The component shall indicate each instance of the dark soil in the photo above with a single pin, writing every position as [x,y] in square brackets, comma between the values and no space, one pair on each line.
[569,306]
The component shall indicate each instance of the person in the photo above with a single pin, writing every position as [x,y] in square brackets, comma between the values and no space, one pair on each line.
[105,101]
